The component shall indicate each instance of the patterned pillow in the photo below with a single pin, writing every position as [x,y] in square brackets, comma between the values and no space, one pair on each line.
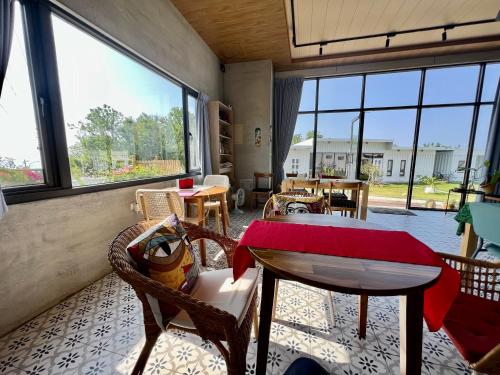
[296,204]
[165,254]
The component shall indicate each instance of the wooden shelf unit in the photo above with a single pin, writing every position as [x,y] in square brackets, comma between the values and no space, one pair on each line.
[221,119]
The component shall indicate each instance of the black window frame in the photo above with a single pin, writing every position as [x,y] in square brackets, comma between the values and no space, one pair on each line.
[44,80]
[362,109]
[402,168]
[390,163]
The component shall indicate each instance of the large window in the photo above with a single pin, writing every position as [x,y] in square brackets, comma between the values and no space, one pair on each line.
[20,157]
[407,132]
[100,117]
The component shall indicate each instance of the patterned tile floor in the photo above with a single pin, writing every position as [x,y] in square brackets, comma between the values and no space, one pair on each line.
[98,330]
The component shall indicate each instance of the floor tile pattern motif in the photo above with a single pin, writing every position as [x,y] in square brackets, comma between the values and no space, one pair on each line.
[99,330]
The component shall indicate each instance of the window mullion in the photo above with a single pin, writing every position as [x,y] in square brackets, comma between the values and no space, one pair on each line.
[46,90]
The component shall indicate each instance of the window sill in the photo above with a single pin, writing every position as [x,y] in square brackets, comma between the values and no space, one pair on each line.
[14,196]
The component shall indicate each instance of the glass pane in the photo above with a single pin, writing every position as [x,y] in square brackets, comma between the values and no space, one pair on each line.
[340,93]
[337,145]
[477,173]
[392,89]
[442,151]
[123,121]
[386,155]
[20,158]
[451,85]
[194,142]
[491,75]
[299,159]
[307,101]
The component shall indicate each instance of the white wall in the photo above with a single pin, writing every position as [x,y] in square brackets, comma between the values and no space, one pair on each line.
[248,88]
[52,248]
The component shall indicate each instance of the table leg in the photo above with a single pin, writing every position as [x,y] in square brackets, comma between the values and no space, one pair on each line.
[266,310]
[363,315]
[223,207]
[411,316]
[200,218]
[469,241]
[364,201]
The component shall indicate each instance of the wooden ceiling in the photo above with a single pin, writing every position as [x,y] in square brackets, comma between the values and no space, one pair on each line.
[246,30]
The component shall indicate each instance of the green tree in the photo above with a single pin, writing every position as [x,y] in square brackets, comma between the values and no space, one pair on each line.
[296,138]
[310,134]
[96,136]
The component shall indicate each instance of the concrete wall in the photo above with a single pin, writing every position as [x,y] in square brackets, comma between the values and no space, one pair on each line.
[51,249]
[248,88]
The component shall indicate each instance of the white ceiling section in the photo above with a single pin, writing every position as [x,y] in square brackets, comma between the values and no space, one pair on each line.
[317,20]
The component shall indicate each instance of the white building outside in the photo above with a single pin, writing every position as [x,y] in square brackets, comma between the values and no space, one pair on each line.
[393,161]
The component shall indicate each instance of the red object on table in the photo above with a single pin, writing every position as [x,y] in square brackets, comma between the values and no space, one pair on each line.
[186,183]
[393,246]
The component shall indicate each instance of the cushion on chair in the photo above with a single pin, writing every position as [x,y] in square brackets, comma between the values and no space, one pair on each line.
[217,288]
[296,204]
[165,254]
[473,325]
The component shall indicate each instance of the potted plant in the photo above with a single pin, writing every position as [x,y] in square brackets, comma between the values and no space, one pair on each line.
[491,180]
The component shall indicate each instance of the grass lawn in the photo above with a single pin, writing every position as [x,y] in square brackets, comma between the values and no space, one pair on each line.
[400,191]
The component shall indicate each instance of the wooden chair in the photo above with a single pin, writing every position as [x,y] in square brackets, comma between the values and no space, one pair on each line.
[473,320]
[340,201]
[259,191]
[215,322]
[303,185]
[157,204]
[289,175]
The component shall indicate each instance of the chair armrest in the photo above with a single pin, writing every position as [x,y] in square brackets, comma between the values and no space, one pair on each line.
[490,363]
[227,244]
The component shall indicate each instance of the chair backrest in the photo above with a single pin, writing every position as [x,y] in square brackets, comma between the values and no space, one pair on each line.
[312,184]
[157,204]
[269,209]
[354,187]
[331,177]
[267,176]
[216,180]
[485,220]
[292,175]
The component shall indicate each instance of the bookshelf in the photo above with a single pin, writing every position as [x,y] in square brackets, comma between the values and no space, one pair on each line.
[221,120]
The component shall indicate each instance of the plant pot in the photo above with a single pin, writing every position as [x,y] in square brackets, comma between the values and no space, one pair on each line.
[431,203]
[488,188]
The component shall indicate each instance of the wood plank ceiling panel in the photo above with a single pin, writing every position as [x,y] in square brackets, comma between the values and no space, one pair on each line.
[246,30]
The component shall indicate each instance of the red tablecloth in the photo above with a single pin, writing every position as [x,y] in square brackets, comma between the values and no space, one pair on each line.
[384,245]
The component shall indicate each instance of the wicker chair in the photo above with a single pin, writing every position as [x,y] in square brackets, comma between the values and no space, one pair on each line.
[208,321]
[157,204]
[474,316]
[268,210]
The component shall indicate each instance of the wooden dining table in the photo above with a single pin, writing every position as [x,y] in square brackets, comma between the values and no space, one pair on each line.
[324,183]
[347,275]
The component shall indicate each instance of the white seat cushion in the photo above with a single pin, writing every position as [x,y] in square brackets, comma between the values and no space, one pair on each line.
[217,288]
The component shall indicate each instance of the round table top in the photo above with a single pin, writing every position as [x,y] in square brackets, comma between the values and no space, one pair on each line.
[344,274]
[214,190]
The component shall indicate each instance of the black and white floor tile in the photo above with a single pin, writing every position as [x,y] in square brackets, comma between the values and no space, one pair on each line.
[99,330]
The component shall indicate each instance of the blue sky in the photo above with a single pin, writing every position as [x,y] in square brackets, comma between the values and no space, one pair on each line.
[448,126]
